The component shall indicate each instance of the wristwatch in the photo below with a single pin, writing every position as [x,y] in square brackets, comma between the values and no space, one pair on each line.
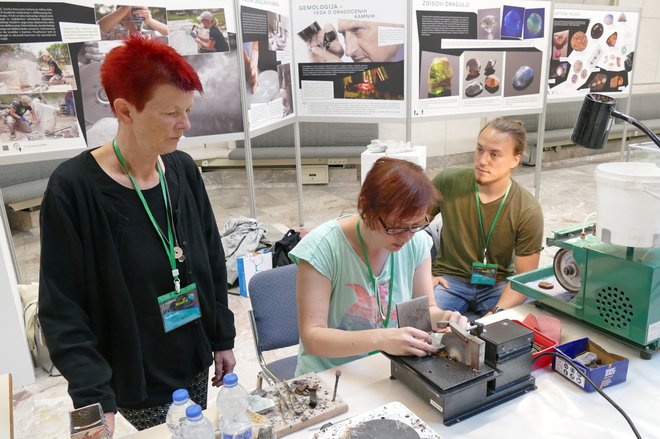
[496,309]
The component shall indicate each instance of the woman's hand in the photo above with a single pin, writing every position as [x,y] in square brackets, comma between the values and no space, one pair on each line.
[453,316]
[224,364]
[405,341]
[439,280]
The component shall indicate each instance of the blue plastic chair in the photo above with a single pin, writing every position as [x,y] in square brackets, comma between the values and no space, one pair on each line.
[274,320]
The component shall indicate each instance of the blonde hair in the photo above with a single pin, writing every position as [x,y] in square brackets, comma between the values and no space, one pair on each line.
[512,127]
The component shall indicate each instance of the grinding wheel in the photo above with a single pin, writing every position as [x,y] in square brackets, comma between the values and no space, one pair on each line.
[567,271]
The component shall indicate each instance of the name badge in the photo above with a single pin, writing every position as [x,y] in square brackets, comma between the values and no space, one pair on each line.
[483,274]
[179,308]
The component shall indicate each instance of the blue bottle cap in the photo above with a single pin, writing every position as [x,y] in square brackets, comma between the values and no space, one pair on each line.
[230,380]
[193,411]
[180,395]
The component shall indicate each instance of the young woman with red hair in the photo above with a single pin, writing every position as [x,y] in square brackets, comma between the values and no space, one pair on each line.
[353,270]
[133,291]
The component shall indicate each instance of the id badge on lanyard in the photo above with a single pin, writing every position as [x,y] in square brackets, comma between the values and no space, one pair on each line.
[179,307]
[484,273]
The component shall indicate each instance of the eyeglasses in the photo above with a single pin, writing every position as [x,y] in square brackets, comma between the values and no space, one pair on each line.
[402,230]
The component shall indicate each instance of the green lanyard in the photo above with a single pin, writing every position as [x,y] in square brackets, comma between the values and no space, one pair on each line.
[167,243]
[497,215]
[386,319]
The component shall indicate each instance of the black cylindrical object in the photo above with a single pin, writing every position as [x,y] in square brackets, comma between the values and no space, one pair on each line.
[593,124]
[309,32]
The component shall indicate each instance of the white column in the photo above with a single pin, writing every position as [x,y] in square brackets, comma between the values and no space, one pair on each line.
[15,357]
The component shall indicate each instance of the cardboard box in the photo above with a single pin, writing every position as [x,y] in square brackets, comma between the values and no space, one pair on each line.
[612,368]
[249,265]
[542,345]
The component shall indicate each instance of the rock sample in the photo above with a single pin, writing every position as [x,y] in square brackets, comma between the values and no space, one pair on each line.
[523,77]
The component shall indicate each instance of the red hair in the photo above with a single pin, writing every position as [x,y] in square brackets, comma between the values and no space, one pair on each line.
[132,70]
[395,188]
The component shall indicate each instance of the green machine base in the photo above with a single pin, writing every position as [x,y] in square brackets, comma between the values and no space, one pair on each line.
[617,290]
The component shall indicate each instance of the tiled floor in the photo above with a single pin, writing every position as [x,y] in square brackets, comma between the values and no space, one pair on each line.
[41,410]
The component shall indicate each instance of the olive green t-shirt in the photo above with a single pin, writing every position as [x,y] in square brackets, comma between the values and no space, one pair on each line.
[519,228]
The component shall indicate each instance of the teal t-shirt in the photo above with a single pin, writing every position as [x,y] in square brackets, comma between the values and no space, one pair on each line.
[353,305]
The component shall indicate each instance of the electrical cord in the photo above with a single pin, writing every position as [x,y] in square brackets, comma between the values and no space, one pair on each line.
[561,355]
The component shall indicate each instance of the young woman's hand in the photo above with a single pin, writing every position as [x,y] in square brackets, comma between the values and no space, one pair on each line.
[405,341]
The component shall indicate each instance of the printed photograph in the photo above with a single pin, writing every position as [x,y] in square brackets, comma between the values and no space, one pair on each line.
[118,22]
[194,31]
[482,74]
[35,67]
[489,24]
[36,116]
[522,73]
[439,75]
[353,40]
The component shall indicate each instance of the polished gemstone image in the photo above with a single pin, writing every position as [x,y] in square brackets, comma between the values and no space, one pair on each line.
[488,24]
[523,77]
[611,40]
[560,44]
[622,18]
[628,63]
[534,25]
[559,39]
[577,66]
[561,70]
[579,41]
[490,67]
[616,81]
[609,19]
[597,31]
[598,82]
[492,84]
[512,23]
[474,89]
[473,68]
[440,74]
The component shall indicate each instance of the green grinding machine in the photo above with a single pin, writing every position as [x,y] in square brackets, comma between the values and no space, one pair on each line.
[611,288]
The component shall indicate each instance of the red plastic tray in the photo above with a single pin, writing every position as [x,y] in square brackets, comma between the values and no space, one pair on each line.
[547,344]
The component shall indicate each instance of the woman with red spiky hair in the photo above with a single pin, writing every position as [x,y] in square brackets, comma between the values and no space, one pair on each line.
[133,291]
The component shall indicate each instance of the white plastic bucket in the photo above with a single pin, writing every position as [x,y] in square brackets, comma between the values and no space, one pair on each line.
[628,204]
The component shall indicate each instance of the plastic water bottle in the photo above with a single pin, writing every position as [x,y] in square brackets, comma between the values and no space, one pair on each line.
[177,411]
[196,426]
[235,421]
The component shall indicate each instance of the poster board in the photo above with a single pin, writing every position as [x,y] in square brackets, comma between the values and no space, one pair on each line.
[478,57]
[37,81]
[50,58]
[349,59]
[592,52]
[267,53]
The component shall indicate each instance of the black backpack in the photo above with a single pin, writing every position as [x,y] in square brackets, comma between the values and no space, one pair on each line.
[282,248]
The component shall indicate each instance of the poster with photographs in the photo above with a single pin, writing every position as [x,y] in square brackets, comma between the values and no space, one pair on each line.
[267,49]
[350,58]
[478,57]
[592,52]
[204,33]
[37,81]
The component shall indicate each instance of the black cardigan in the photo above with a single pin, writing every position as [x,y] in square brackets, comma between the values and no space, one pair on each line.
[86,306]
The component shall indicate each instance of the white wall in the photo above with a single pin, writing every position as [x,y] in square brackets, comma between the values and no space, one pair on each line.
[14,353]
